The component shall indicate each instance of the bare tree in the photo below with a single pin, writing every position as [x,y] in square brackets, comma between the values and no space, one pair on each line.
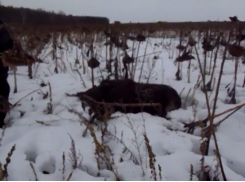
[23,16]
[61,12]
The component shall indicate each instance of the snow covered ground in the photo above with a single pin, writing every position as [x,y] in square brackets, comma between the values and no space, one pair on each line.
[42,138]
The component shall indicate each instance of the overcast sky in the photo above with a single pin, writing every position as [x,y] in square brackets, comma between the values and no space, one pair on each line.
[142,10]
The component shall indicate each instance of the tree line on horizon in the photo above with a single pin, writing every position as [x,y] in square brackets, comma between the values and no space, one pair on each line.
[40,17]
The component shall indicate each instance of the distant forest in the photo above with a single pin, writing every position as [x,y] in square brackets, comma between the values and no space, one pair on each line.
[39,17]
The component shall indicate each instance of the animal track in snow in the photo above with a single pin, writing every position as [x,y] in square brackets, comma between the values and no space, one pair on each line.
[46,164]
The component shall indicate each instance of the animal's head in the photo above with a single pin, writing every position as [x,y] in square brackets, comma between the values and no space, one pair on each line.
[173,105]
[175,100]
[95,93]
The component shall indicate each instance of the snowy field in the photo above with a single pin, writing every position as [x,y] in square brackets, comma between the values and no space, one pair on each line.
[42,138]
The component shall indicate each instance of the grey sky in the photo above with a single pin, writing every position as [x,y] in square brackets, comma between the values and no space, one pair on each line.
[142,10]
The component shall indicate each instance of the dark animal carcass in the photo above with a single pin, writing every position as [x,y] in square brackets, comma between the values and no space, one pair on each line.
[130,92]
[6,43]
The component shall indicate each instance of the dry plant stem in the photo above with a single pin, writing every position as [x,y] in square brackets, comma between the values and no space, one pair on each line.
[179,78]
[205,63]
[34,171]
[163,71]
[92,72]
[180,93]
[198,39]
[150,71]
[110,50]
[210,64]
[184,106]
[198,123]
[100,148]
[217,88]
[214,65]
[225,118]
[191,172]
[136,60]
[151,155]
[211,121]
[106,51]
[83,63]
[50,105]
[16,103]
[203,80]
[73,156]
[205,55]
[148,54]
[189,70]
[243,85]
[143,59]
[144,131]
[63,169]
[218,155]
[137,144]
[84,85]
[209,111]
[118,68]
[15,81]
[219,122]
[132,65]
[5,166]
[135,160]
[69,177]
[3,132]
[160,172]
[233,98]
[89,100]
[30,71]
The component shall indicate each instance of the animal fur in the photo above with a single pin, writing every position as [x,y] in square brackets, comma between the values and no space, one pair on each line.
[130,92]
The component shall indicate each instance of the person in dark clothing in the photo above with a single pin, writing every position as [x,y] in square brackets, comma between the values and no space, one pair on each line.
[6,43]
[4,92]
